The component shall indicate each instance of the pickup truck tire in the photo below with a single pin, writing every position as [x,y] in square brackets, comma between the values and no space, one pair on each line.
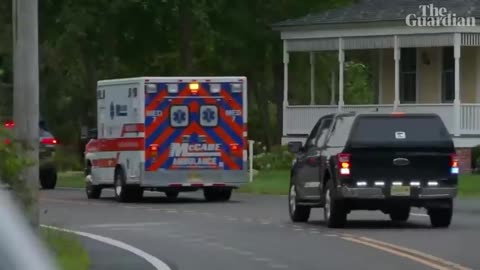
[334,212]
[48,178]
[441,217]
[400,214]
[298,213]
[124,192]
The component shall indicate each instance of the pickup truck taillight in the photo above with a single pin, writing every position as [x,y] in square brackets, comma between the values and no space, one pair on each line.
[343,165]
[454,168]
[48,141]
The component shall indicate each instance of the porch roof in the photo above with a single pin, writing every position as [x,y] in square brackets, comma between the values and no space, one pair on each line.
[376,24]
[381,11]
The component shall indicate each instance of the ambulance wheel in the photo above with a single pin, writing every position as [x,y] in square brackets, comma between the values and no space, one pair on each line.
[93,191]
[217,195]
[124,192]
[172,194]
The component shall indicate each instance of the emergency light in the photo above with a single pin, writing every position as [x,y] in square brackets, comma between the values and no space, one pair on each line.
[194,88]
[215,88]
[172,88]
[150,88]
[236,87]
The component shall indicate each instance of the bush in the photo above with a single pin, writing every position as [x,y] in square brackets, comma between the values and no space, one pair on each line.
[278,158]
[476,157]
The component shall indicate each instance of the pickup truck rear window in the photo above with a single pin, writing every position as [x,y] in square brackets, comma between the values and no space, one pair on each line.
[381,130]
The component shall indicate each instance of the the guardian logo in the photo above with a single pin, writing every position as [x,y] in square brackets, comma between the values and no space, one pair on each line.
[432,16]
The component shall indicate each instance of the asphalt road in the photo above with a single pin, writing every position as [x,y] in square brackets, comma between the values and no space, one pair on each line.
[254,232]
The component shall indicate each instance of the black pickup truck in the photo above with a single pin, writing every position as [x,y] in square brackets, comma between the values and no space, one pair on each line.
[374,161]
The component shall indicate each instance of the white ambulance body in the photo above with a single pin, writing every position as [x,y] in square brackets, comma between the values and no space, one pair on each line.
[169,134]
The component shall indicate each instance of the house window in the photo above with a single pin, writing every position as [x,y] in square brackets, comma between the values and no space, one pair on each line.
[448,75]
[408,75]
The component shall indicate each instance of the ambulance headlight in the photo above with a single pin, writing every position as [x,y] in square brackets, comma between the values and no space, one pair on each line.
[236,87]
[150,88]
[215,88]
[172,88]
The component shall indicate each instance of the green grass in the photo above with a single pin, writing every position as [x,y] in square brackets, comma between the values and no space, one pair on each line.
[71,179]
[273,182]
[469,186]
[67,250]
[276,182]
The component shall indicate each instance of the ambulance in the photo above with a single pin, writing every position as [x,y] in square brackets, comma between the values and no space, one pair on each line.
[169,134]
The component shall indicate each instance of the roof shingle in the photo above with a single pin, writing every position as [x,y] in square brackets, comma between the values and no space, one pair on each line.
[383,10]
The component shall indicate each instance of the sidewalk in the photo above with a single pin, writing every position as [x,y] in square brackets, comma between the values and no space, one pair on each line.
[107,257]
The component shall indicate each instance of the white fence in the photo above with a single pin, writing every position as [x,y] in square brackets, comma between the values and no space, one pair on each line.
[300,119]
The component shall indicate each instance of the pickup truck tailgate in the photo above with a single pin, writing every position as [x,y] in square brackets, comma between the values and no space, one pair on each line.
[398,164]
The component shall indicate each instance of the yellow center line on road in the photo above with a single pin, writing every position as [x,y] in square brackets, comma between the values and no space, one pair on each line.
[397,253]
[412,254]
[418,253]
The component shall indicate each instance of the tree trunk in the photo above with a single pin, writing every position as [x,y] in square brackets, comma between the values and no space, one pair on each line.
[262,106]
[185,23]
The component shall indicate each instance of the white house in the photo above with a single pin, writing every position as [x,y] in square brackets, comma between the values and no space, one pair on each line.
[428,55]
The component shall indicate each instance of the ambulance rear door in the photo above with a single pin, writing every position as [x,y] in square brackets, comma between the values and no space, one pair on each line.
[195,124]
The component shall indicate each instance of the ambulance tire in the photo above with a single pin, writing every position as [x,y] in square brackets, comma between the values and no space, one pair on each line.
[172,194]
[124,192]
[217,195]
[93,191]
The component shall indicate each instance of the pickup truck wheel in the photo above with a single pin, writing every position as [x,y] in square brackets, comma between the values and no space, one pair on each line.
[48,178]
[124,192]
[298,213]
[441,218]
[334,212]
[400,214]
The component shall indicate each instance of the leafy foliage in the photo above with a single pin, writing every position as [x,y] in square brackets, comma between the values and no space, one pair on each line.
[85,41]
[11,164]
[276,159]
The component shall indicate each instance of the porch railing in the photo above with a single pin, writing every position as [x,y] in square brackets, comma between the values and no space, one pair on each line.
[301,119]
[470,119]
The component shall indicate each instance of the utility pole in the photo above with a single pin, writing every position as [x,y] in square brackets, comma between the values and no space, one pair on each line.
[26,92]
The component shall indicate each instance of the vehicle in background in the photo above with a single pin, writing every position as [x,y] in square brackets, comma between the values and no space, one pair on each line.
[387,162]
[169,134]
[48,143]
[20,248]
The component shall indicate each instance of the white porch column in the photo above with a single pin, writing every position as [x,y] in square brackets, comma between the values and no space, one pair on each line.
[457,39]
[312,78]
[341,67]
[380,76]
[286,59]
[333,88]
[396,57]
